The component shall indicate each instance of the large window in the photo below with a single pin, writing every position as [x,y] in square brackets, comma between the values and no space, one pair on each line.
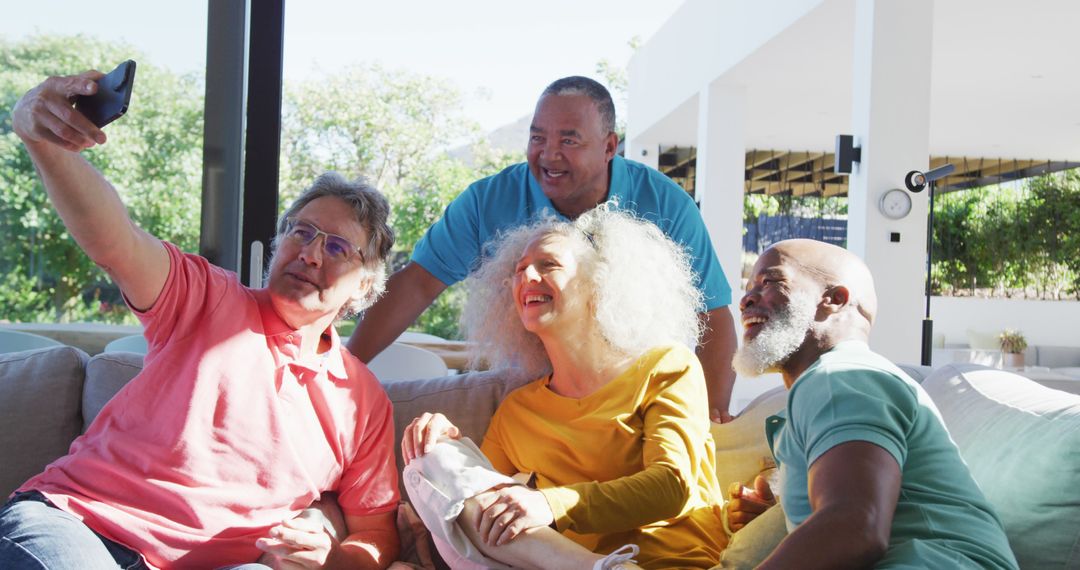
[421,97]
[153,157]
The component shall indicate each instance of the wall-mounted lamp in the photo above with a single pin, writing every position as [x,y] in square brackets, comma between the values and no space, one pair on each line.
[916,181]
[846,154]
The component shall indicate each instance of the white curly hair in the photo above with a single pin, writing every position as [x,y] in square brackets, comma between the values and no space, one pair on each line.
[643,289]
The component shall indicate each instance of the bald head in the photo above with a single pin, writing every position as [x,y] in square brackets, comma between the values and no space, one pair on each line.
[802,299]
[832,266]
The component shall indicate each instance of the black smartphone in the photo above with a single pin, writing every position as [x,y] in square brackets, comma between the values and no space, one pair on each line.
[112,97]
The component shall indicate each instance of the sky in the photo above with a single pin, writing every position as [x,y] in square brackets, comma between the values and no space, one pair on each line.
[499,53]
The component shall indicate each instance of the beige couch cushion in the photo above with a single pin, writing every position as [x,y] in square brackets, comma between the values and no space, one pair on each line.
[741,448]
[468,400]
[756,541]
[40,395]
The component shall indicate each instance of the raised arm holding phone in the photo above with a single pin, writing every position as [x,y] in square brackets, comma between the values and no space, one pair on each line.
[54,133]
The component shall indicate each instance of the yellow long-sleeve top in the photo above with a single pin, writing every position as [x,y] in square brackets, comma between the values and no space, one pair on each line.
[633,462]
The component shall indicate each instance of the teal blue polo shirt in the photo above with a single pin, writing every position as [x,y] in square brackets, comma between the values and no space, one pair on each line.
[942,519]
[455,244]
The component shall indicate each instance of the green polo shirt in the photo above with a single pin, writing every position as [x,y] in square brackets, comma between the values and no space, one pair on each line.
[942,519]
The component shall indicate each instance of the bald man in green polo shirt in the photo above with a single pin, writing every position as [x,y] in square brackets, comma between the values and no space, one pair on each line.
[869,475]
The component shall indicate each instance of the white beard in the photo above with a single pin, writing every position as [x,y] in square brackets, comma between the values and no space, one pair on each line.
[778,339]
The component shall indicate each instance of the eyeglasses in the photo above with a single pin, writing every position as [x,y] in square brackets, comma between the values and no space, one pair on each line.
[335,247]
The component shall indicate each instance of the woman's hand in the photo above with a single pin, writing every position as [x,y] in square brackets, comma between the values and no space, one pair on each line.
[509,511]
[422,433]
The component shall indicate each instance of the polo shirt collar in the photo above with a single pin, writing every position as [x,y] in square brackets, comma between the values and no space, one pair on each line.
[617,187]
[617,182]
[276,329]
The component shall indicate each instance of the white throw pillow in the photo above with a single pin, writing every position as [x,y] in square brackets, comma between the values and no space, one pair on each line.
[983,340]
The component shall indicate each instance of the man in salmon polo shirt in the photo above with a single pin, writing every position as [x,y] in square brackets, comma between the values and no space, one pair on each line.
[248,408]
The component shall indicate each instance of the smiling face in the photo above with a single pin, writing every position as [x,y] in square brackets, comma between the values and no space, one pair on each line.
[569,151]
[550,292]
[778,315]
[305,284]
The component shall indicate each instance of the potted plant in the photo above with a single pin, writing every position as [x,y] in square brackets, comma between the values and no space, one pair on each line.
[1013,345]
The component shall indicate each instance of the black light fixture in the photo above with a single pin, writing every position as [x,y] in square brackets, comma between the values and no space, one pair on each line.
[847,154]
[916,182]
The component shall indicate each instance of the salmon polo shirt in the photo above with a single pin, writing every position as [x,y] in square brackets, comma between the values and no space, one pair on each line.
[226,431]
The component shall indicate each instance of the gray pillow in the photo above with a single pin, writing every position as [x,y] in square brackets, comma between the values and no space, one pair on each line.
[468,400]
[40,395]
[106,373]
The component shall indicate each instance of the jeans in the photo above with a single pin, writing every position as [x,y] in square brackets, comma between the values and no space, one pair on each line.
[34,534]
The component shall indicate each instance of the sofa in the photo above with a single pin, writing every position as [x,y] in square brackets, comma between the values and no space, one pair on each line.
[1061,359]
[1021,440]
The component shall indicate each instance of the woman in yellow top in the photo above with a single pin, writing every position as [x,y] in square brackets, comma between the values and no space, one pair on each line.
[614,434]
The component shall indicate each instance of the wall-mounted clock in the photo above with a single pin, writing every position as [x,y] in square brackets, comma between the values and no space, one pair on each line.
[895,204]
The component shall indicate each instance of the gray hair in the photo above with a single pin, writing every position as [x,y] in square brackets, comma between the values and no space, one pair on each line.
[371,210]
[643,290]
[578,85]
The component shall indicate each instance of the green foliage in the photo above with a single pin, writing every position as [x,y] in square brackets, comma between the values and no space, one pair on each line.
[755,205]
[1010,239]
[618,83]
[394,128]
[386,125]
[153,157]
[442,318]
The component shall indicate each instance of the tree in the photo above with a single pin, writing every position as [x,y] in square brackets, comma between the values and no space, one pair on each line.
[618,83]
[1017,238]
[366,120]
[395,128]
[390,126]
[153,157]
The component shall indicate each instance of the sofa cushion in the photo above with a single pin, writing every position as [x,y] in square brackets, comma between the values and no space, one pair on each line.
[983,340]
[40,395]
[1022,443]
[741,449]
[468,400]
[106,373]
[917,372]
[754,542]
[1056,356]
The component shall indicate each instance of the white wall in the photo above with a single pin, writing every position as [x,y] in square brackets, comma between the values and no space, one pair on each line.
[701,41]
[746,389]
[1054,323]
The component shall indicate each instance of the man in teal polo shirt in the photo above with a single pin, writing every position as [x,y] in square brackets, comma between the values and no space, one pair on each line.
[572,167]
[869,475]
